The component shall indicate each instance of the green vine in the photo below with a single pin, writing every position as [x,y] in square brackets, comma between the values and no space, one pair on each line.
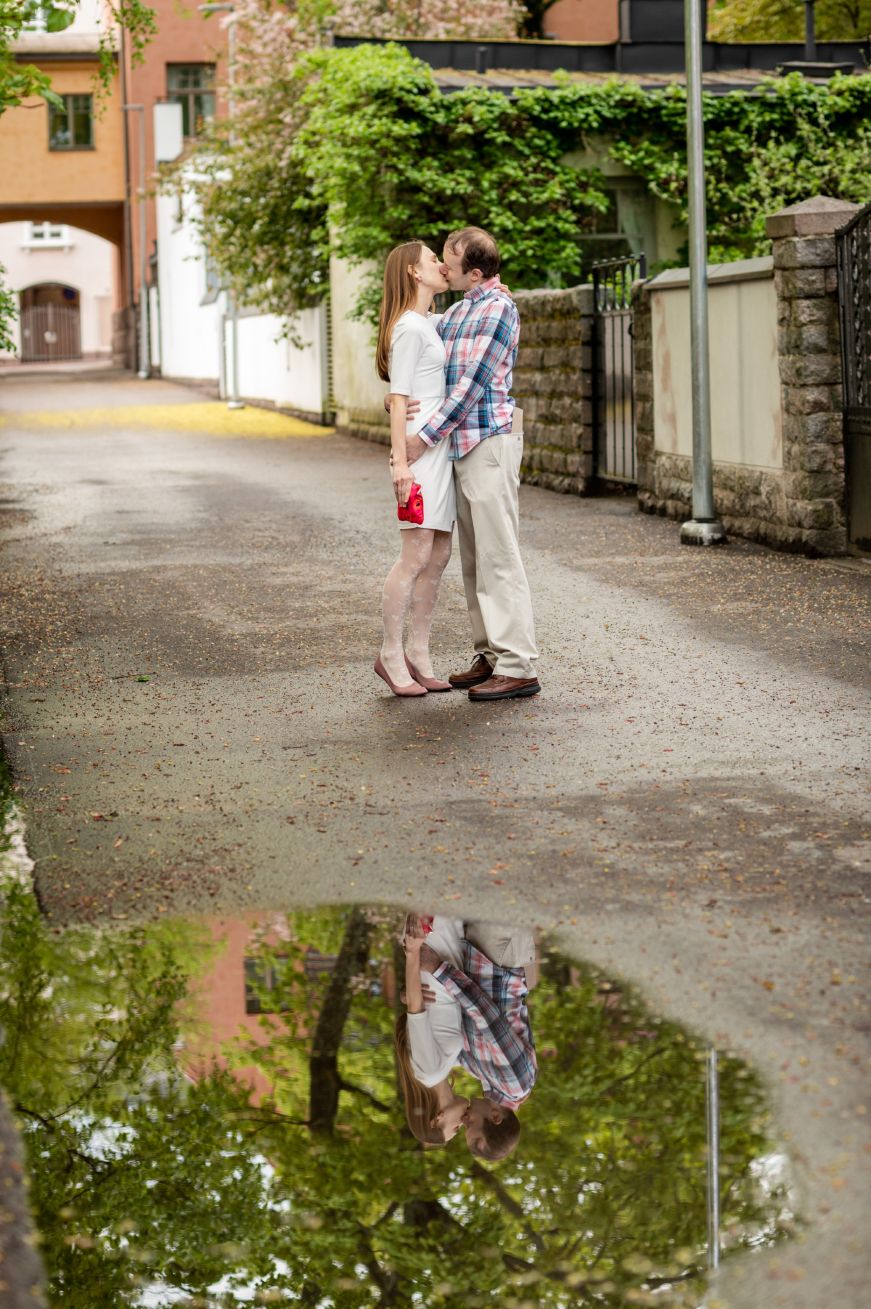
[359,149]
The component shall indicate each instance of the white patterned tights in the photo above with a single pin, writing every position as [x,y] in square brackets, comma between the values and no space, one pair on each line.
[411,591]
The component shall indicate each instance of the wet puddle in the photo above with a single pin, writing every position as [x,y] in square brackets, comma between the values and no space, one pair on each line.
[213,1115]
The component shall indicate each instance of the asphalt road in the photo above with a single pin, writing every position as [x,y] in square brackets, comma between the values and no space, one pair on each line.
[189,622]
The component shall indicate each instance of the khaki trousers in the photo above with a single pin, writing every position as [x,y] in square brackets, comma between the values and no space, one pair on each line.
[488,528]
[507,946]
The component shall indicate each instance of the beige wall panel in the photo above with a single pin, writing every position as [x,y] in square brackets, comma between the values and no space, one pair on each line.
[30,173]
[357,389]
[746,425]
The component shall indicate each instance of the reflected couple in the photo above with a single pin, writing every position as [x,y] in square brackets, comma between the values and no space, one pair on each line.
[465,998]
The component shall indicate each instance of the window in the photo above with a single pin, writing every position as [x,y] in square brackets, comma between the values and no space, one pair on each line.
[45,235]
[71,127]
[212,288]
[193,87]
[627,226]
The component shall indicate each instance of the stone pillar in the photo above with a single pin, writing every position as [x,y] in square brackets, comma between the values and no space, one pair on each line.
[553,385]
[810,370]
[124,338]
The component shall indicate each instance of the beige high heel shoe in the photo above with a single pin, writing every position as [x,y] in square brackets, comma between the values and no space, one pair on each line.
[413,690]
[431,683]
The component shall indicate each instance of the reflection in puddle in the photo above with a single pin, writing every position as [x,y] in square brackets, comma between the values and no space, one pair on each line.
[212,1116]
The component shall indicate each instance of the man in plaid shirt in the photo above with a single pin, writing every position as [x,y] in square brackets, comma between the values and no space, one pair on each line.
[498,1047]
[481,334]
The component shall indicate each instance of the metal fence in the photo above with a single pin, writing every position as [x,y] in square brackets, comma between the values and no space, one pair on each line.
[50,332]
[854,296]
[613,361]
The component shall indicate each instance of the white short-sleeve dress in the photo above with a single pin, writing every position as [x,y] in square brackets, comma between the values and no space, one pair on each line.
[417,368]
[435,1037]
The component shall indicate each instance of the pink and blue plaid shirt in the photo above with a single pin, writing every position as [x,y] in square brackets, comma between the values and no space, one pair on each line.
[497,1038]
[481,334]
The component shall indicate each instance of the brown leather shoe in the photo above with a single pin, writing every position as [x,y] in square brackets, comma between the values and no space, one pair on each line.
[498,687]
[478,673]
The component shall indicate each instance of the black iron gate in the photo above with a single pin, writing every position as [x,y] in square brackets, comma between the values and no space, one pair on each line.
[854,295]
[613,394]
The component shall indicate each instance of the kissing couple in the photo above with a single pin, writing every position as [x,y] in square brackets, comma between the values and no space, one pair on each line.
[457,439]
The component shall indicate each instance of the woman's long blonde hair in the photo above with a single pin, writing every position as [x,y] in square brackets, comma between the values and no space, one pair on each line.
[400,293]
[421,1102]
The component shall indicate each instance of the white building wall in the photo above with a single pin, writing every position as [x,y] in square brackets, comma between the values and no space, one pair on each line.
[195,335]
[190,319]
[83,261]
[271,367]
[357,389]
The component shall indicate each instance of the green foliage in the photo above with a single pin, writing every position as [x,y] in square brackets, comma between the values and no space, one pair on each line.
[783,20]
[356,150]
[8,311]
[390,157]
[17,81]
[56,17]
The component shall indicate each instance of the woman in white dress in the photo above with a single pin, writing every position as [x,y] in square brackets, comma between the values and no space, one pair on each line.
[411,357]
[429,1037]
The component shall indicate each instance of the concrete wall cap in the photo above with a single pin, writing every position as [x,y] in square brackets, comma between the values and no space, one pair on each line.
[740,270]
[820,216]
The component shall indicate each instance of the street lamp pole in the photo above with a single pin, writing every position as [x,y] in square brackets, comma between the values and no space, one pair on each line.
[144,343]
[810,34]
[703,528]
[233,401]
[712,1102]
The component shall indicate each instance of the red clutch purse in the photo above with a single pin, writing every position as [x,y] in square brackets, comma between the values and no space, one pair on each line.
[413,511]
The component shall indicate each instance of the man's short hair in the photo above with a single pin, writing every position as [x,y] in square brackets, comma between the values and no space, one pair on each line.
[499,1138]
[478,250]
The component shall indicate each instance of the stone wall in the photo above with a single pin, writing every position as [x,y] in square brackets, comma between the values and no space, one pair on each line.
[553,385]
[124,329]
[799,504]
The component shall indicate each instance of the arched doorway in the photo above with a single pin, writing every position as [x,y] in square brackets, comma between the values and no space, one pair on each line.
[50,323]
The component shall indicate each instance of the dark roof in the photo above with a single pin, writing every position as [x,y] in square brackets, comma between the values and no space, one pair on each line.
[512,64]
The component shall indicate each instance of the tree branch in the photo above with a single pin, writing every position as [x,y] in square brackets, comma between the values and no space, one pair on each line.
[361,1090]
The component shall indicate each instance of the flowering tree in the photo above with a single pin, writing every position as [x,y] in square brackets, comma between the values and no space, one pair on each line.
[273,31]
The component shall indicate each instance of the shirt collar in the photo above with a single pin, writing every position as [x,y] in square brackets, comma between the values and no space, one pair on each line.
[483,288]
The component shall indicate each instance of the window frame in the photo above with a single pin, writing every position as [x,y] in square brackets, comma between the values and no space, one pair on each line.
[185,96]
[68,97]
[212,286]
[46,235]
